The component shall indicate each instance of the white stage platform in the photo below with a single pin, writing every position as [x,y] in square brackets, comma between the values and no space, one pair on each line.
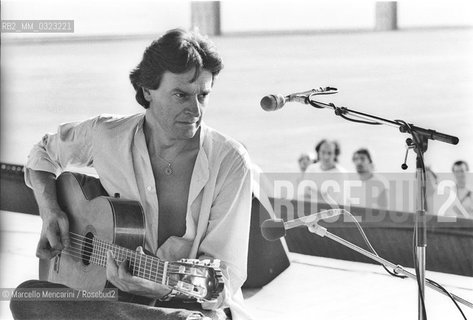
[311,288]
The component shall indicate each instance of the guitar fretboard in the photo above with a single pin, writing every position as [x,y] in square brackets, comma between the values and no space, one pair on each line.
[139,264]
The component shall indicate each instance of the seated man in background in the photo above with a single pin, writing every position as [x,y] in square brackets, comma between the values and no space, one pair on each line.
[304,162]
[325,177]
[373,192]
[193,183]
[464,196]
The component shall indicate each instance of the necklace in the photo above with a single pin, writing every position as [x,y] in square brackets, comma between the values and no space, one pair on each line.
[168,170]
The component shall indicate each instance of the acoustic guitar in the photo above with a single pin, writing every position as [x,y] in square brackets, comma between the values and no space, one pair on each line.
[99,223]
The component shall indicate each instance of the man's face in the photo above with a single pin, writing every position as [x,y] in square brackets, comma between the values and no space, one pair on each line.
[362,163]
[460,174]
[327,154]
[178,104]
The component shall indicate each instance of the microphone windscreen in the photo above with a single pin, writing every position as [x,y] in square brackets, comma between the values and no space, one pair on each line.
[272,102]
[273,229]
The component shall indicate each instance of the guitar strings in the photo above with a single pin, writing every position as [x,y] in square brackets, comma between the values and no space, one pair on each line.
[124,253]
[100,249]
[127,253]
[97,248]
[172,282]
[77,254]
[95,256]
[120,250]
[89,243]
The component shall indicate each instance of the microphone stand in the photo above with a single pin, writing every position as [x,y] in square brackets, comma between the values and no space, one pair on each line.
[419,143]
[314,227]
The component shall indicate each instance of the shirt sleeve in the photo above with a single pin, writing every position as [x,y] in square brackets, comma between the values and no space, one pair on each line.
[228,229]
[71,145]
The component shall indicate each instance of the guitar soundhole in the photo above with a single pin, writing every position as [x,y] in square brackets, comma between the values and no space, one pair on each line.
[87,248]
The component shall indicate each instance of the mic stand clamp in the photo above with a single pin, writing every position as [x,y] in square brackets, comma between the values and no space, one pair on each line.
[409,146]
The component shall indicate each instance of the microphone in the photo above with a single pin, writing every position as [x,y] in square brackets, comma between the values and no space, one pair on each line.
[273,229]
[275,102]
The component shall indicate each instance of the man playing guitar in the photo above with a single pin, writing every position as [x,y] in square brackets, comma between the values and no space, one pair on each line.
[193,183]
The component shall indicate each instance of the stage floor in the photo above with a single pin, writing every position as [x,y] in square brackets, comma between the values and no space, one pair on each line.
[311,288]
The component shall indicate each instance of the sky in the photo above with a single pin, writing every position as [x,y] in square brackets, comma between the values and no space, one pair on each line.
[135,17]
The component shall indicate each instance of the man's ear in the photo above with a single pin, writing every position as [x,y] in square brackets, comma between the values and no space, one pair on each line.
[146,94]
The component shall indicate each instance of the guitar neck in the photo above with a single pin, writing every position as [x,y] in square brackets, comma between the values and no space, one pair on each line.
[139,264]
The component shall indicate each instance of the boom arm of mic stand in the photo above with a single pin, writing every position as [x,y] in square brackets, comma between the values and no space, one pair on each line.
[428,133]
[321,231]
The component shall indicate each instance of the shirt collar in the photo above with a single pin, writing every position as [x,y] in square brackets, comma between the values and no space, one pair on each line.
[200,175]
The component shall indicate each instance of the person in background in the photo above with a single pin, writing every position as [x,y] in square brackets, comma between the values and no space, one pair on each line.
[464,206]
[431,189]
[327,152]
[373,192]
[327,174]
[304,162]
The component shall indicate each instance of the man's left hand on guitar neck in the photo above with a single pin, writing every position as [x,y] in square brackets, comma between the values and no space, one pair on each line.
[119,276]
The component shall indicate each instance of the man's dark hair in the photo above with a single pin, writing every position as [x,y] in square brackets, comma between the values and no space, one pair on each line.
[335,143]
[177,51]
[459,163]
[365,152]
[302,156]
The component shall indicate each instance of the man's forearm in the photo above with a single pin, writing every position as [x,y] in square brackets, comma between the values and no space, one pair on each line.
[54,230]
[44,188]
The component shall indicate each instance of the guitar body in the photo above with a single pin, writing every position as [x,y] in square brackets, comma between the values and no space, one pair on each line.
[92,214]
[99,223]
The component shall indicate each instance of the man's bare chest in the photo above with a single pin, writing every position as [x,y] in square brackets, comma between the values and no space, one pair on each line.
[173,193]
